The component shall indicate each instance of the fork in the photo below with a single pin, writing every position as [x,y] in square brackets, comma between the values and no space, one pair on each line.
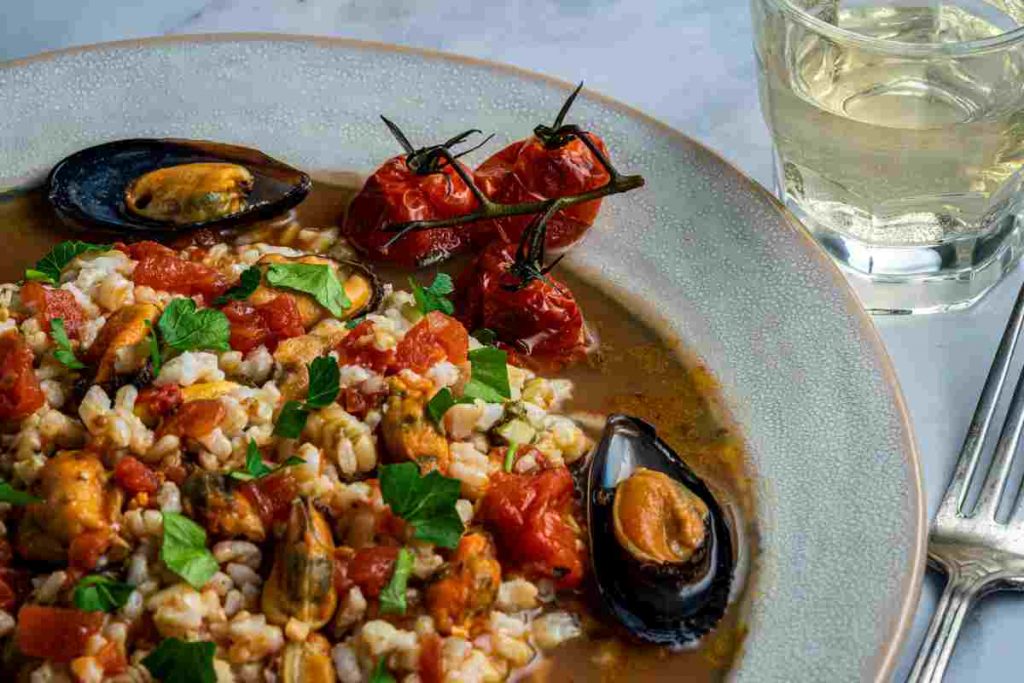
[978,554]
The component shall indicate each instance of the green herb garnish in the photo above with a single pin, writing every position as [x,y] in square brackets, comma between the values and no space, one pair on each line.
[255,468]
[9,494]
[427,503]
[184,328]
[49,268]
[318,280]
[324,385]
[433,297]
[63,352]
[441,402]
[96,593]
[380,672]
[184,550]
[354,322]
[392,597]
[247,284]
[510,456]
[488,378]
[175,661]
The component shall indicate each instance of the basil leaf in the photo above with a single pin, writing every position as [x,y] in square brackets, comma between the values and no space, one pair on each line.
[247,284]
[324,382]
[427,503]
[184,550]
[488,378]
[380,672]
[154,349]
[185,329]
[98,593]
[49,268]
[392,597]
[510,456]
[485,335]
[432,298]
[9,494]
[63,352]
[318,280]
[291,421]
[175,661]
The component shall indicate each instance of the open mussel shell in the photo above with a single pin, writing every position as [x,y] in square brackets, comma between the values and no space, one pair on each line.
[88,189]
[664,602]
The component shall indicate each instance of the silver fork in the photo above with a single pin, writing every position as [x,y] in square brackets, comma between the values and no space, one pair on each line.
[978,554]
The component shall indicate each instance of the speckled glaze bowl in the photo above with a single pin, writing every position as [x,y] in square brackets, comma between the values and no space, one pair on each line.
[702,252]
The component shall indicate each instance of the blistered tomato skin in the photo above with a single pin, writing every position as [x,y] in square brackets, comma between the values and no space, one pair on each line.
[163,269]
[528,171]
[541,320]
[397,194]
[47,303]
[20,393]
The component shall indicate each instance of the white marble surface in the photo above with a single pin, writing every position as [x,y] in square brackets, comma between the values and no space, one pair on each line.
[687,62]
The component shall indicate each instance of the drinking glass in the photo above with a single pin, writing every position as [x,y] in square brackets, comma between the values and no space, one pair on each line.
[899,139]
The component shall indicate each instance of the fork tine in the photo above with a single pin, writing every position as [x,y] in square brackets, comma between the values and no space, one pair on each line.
[1002,461]
[956,491]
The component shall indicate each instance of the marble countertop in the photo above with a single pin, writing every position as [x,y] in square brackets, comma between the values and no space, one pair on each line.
[686,62]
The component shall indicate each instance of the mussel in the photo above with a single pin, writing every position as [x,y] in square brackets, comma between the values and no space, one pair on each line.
[168,185]
[362,288]
[661,545]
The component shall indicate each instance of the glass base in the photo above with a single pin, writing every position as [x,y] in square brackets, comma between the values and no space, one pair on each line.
[927,278]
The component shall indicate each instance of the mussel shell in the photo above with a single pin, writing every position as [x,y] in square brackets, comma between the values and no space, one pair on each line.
[663,604]
[87,188]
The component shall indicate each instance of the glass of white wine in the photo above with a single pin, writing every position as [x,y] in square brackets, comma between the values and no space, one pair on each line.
[899,139]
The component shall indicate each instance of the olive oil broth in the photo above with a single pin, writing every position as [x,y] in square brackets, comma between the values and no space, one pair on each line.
[635,370]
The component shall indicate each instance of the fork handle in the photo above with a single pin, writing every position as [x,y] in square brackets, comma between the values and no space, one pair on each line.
[959,595]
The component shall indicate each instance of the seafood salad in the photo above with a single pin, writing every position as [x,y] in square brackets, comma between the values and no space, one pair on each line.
[231,451]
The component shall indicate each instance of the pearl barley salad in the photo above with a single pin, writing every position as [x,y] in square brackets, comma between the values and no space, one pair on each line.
[244,454]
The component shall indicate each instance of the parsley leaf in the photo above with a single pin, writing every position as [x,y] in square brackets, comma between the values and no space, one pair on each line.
[440,402]
[255,468]
[510,456]
[247,284]
[324,385]
[175,661]
[63,352]
[98,593]
[9,494]
[354,322]
[49,268]
[392,597]
[318,280]
[186,329]
[427,503]
[184,550]
[380,672]
[488,378]
[485,335]
[432,298]
[154,349]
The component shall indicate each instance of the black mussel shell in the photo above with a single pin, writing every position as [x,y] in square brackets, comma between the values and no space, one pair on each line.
[658,603]
[87,188]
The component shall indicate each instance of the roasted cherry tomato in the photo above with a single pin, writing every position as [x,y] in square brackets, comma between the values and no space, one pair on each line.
[371,569]
[135,477]
[531,517]
[536,316]
[47,303]
[164,269]
[20,394]
[418,186]
[194,419]
[56,633]
[554,162]
[435,338]
[358,348]
[264,324]
[157,401]
[272,495]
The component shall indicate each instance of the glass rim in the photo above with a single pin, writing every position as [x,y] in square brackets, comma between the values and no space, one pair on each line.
[895,47]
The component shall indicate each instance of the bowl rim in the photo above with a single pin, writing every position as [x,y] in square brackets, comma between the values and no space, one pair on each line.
[889,654]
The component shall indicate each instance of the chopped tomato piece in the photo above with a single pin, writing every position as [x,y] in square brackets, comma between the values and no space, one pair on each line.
[163,269]
[195,419]
[272,495]
[55,633]
[435,338]
[159,401]
[20,394]
[530,515]
[47,303]
[135,477]
[112,659]
[357,348]
[85,549]
[266,324]
[371,569]
[8,598]
[430,666]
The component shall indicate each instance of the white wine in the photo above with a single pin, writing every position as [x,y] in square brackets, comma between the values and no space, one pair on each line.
[882,148]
